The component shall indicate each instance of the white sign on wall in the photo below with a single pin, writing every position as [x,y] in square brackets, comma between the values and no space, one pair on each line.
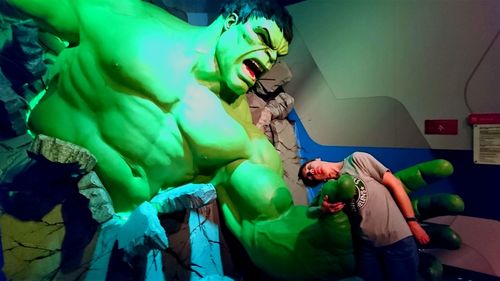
[486,144]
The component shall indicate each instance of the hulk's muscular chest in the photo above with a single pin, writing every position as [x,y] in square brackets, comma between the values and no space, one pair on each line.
[196,136]
[185,137]
[216,138]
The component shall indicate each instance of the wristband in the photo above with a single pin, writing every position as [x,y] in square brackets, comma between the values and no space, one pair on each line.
[410,219]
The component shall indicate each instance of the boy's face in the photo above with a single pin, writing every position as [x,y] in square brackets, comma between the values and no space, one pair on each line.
[318,170]
[247,50]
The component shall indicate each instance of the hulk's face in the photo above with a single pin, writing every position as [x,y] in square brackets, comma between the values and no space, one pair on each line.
[247,50]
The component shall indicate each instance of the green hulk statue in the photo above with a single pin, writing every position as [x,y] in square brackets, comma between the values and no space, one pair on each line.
[161,103]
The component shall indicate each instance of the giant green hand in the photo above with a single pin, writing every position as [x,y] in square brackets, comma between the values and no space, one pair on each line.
[296,247]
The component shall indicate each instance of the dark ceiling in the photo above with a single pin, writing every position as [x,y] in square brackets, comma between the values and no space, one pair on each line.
[203,6]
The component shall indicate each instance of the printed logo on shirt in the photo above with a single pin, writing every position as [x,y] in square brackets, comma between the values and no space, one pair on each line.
[362,196]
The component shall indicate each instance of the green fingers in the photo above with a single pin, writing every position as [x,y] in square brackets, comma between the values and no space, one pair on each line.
[339,190]
[422,174]
[430,267]
[434,205]
[442,236]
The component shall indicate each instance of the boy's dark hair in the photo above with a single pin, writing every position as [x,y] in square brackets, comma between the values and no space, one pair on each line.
[306,181]
[269,9]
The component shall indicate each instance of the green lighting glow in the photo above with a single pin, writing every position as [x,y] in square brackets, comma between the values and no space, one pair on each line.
[161,103]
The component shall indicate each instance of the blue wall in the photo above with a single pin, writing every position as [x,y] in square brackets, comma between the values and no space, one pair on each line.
[476,184]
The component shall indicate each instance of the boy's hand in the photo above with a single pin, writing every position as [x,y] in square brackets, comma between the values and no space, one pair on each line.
[419,233]
[331,208]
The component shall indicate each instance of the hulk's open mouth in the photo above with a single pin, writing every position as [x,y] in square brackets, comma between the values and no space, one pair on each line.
[254,68]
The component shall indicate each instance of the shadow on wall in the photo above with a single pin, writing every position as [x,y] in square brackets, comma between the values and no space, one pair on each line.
[372,121]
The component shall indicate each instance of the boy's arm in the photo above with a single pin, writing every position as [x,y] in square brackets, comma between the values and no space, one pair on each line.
[403,201]
[55,16]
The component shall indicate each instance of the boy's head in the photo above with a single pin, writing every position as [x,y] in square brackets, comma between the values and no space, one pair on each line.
[315,171]
[305,177]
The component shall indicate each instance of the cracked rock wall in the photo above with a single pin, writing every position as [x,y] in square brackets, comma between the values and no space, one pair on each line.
[270,106]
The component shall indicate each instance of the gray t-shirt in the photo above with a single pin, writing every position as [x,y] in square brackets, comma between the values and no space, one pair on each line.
[381,221]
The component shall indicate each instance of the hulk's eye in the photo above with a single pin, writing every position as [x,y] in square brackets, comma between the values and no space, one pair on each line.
[264,37]
[261,38]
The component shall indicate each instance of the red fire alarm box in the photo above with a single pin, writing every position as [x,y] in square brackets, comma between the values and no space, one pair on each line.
[441,127]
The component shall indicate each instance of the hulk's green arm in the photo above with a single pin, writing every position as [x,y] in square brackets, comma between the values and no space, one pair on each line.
[61,17]
[56,16]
